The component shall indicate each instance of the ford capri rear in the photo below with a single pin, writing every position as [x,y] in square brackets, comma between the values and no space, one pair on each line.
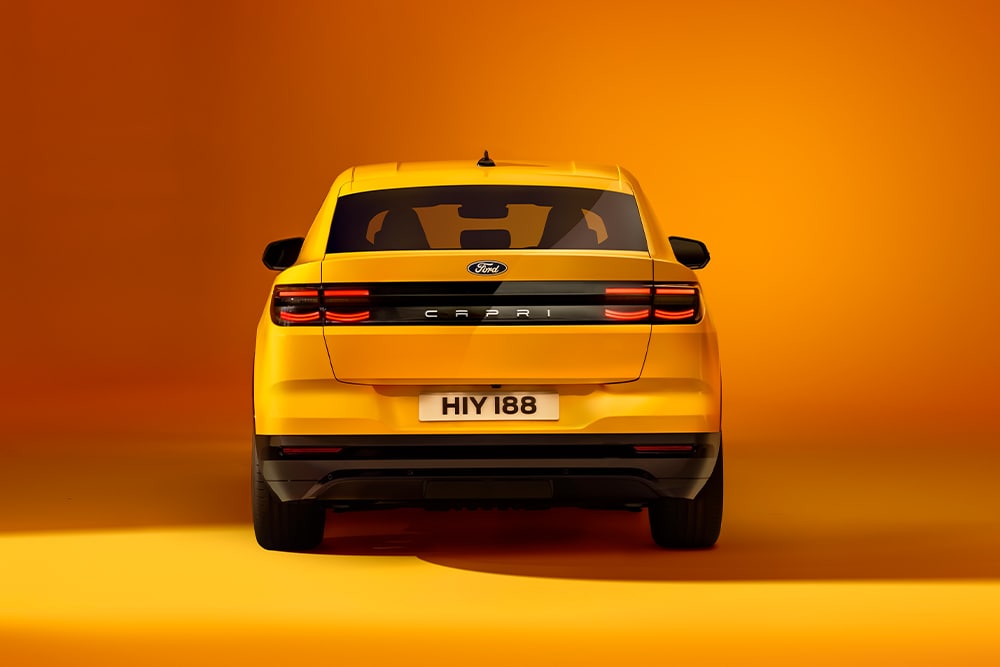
[487,335]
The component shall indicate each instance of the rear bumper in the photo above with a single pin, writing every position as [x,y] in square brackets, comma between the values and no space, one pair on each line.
[513,469]
[296,391]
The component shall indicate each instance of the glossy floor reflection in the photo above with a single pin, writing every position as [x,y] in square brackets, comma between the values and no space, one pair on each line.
[119,546]
[807,511]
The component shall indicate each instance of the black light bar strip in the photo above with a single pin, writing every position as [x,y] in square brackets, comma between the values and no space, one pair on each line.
[486,303]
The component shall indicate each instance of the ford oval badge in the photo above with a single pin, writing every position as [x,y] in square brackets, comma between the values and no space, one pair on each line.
[486,267]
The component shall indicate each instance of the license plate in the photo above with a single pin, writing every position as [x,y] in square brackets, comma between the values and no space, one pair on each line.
[499,406]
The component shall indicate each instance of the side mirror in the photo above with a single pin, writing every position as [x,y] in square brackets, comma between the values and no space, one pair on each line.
[689,252]
[279,255]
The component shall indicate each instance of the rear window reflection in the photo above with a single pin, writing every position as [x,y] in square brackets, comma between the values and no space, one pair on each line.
[486,217]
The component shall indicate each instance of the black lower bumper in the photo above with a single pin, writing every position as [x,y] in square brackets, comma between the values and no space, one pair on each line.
[354,472]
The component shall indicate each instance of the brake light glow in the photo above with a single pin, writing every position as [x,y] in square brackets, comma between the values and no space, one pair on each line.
[297,318]
[301,292]
[673,303]
[345,292]
[296,305]
[502,303]
[346,306]
[347,317]
[671,315]
[612,314]
[314,305]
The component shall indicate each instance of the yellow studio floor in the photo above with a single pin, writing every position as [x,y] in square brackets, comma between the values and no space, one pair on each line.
[142,553]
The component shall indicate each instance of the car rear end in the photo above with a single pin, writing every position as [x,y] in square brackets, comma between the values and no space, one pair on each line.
[482,337]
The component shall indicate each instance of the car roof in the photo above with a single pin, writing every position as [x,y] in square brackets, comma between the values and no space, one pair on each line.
[391,175]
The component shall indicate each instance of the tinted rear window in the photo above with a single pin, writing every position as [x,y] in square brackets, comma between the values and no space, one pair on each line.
[486,217]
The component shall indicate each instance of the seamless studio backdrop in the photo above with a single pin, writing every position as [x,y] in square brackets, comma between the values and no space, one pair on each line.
[841,161]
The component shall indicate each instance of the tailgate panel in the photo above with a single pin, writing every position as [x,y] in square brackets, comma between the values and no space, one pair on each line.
[431,321]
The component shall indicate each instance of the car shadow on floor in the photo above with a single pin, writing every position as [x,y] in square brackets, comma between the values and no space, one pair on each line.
[581,544]
[808,512]
[791,514]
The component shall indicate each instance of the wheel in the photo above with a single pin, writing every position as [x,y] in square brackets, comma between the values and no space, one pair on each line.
[281,526]
[679,523]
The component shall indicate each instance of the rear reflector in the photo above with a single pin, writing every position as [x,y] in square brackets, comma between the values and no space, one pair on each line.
[299,451]
[660,449]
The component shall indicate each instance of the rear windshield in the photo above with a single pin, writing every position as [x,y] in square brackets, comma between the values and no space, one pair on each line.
[486,217]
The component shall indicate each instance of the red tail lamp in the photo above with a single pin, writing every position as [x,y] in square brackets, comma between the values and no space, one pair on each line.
[342,305]
[296,305]
[299,318]
[627,315]
[347,317]
[304,305]
[662,303]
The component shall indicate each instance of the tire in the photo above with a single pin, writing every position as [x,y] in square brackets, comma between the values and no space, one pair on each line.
[679,523]
[283,526]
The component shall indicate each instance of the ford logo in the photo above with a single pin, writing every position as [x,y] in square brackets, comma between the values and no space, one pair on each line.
[486,267]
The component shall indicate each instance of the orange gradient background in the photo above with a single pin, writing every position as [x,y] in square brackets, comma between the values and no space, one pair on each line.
[841,160]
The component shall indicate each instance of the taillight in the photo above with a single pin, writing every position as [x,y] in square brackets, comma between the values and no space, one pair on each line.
[660,303]
[296,305]
[627,304]
[675,303]
[515,303]
[633,315]
[346,306]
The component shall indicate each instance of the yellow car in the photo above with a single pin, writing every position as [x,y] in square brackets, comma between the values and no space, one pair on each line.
[486,335]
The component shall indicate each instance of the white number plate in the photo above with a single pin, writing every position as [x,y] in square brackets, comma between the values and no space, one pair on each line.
[500,406]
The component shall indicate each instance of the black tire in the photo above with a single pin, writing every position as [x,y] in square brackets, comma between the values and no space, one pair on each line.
[679,523]
[281,526]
